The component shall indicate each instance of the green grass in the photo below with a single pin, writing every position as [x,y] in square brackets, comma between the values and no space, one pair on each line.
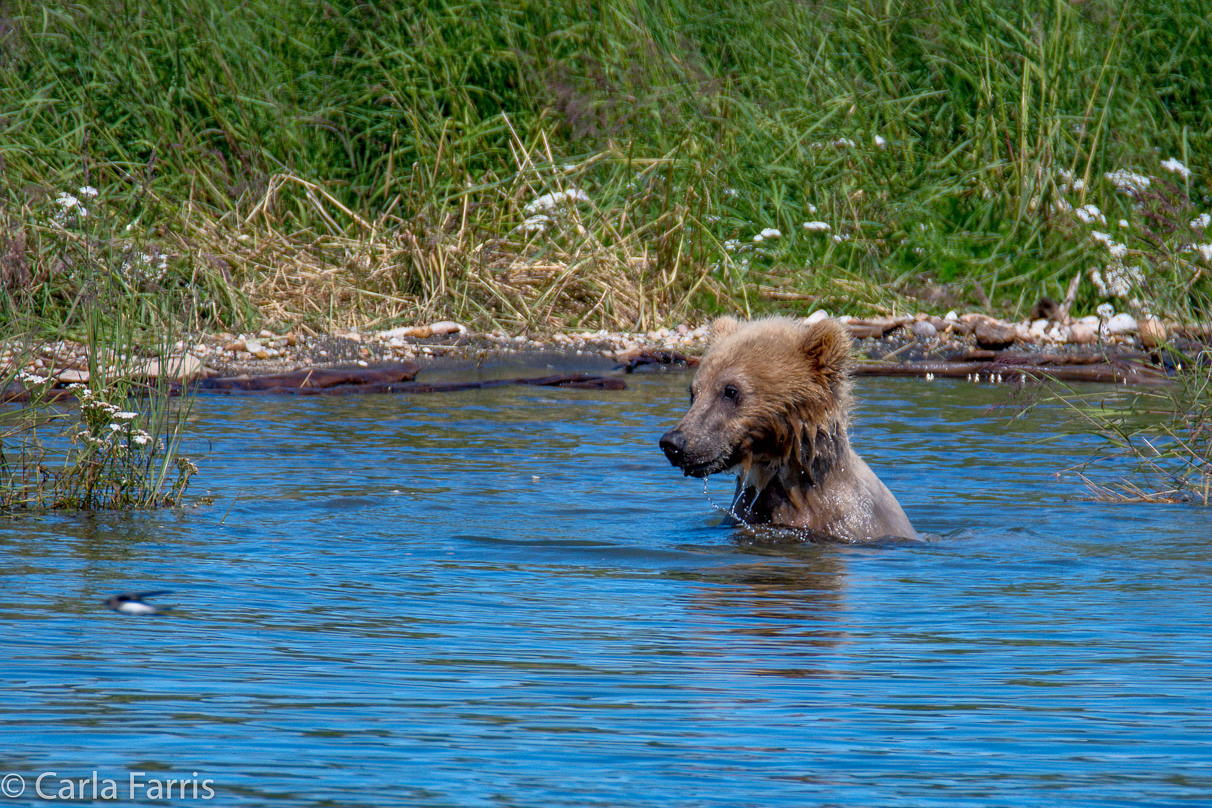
[1156,444]
[93,426]
[353,163]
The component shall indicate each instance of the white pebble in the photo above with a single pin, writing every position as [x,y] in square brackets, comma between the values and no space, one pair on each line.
[1121,324]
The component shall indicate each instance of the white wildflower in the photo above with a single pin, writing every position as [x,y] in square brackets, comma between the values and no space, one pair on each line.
[770,233]
[33,378]
[1067,182]
[100,406]
[1201,221]
[838,238]
[535,224]
[1116,249]
[732,193]
[148,266]
[70,206]
[1127,182]
[88,190]
[140,437]
[1122,280]
[843,142]
[1090,214]
[816,227]
[880,142]
[1123,222]
[1176,167]
[126,416]
[811,208]
[553,200]
[1063,206]
[117,427]
[731,244]
[1205,250]
[1096,277]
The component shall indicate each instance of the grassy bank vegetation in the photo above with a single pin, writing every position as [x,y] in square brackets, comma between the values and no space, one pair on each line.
[1154,442]
[365,163]
[87,355]
[171,168]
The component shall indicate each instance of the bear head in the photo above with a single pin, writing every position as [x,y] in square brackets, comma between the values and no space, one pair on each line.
[773,392]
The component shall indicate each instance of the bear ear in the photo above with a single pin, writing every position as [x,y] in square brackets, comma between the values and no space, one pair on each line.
[722,327]
[827,345]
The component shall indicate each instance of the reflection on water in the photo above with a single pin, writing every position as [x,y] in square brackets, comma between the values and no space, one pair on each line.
[508,597]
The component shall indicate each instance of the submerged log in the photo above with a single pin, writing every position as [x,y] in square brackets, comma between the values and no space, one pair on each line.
[577,381]
[16,393]
[397,379]
[1114,372]
[315,379]
[655,356]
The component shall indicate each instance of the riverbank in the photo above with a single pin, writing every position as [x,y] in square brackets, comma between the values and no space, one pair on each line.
[529,173]
[906,345]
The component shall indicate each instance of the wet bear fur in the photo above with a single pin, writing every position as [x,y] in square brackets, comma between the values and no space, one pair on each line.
[770,403]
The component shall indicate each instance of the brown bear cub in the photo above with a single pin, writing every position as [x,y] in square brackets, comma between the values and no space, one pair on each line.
[770,403]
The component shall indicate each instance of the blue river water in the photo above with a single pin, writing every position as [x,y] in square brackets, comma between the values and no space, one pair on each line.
[508,597]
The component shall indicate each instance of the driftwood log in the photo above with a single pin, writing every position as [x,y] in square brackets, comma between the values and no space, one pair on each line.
[399,378]
[1099,371]
[314,380]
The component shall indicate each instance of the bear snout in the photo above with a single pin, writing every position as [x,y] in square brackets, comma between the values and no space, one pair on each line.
[693,457]
[673,444]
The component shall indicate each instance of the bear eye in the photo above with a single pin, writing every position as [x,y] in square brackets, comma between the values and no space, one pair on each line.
[731,393]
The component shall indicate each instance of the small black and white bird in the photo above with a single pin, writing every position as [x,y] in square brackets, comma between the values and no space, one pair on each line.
[132,602]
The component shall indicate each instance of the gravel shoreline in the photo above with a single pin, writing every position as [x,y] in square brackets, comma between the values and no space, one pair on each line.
[887,346]
[904,339]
